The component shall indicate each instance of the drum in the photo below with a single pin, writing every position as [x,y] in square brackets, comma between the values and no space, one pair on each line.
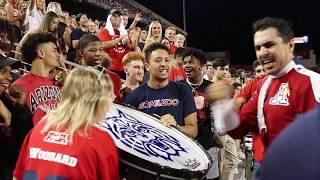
[149,147]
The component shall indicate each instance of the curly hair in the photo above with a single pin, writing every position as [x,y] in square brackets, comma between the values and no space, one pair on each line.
[29,48]
[197,53]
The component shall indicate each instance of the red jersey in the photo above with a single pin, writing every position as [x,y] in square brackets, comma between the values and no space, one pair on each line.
[116,82]
[172,49]
[42,94]
[117,52]
[250,88]
[177,74]
[247,92]
[294,90]
[51,155]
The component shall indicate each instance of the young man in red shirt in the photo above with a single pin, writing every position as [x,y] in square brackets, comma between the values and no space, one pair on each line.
[91,53]
[42,94]
[247,92]
[116,41]
[177,72]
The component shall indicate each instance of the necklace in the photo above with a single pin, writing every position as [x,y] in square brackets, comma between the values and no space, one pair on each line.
[160,96]
[193,85]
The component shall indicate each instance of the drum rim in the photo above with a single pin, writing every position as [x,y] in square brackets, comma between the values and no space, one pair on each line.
[157,169]
[201,173]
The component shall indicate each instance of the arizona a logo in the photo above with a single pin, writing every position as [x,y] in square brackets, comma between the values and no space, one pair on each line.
[281,98]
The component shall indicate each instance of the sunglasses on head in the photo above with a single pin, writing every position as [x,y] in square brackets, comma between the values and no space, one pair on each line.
[101,69]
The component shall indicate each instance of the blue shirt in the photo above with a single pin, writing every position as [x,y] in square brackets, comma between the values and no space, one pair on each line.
[175,99]
[295,153]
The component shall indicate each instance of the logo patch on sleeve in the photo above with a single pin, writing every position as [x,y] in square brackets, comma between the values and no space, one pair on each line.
[57,138]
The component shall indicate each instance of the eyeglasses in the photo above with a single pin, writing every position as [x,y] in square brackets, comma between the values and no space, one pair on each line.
[259,70]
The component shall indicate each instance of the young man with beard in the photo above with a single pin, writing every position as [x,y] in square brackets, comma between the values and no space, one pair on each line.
[170,100]
[220,69]
[193,61]
[91,53]
[42,94]
[278,98]
[133,63]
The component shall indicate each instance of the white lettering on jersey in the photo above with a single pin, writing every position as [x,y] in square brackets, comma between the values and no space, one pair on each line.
[158,103]
[38,153]
[281,98]
[57,138]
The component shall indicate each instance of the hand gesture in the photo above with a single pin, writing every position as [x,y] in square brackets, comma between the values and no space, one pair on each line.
[16,95]
[219,90]
[138,17]
[168,120]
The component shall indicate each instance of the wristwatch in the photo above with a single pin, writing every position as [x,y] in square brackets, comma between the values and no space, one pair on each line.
[178,127]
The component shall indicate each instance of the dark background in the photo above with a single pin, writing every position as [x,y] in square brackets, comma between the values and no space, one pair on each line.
[214,25]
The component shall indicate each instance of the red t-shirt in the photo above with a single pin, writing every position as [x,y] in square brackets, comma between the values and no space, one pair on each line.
[116,82]
[247,92]
[177,74]
[42,94]
[172,49]
[51,155]
[117,52]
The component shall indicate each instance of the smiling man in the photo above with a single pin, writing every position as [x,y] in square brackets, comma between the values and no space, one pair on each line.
[193,61]
[288,90]
[133,63]
[171,100]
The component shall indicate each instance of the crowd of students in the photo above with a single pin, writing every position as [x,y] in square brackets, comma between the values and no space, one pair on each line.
[54,110]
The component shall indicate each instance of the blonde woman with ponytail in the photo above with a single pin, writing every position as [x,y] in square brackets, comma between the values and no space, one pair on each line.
[66,143]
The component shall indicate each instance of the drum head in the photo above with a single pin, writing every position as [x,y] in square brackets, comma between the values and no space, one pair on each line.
[148,145]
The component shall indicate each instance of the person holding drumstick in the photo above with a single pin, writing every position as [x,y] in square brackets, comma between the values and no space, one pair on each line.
[170,100]
[66,144]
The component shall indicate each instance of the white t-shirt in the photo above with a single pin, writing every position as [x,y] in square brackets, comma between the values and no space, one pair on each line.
[33,18]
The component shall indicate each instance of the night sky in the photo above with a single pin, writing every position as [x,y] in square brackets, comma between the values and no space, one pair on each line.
[226,24]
